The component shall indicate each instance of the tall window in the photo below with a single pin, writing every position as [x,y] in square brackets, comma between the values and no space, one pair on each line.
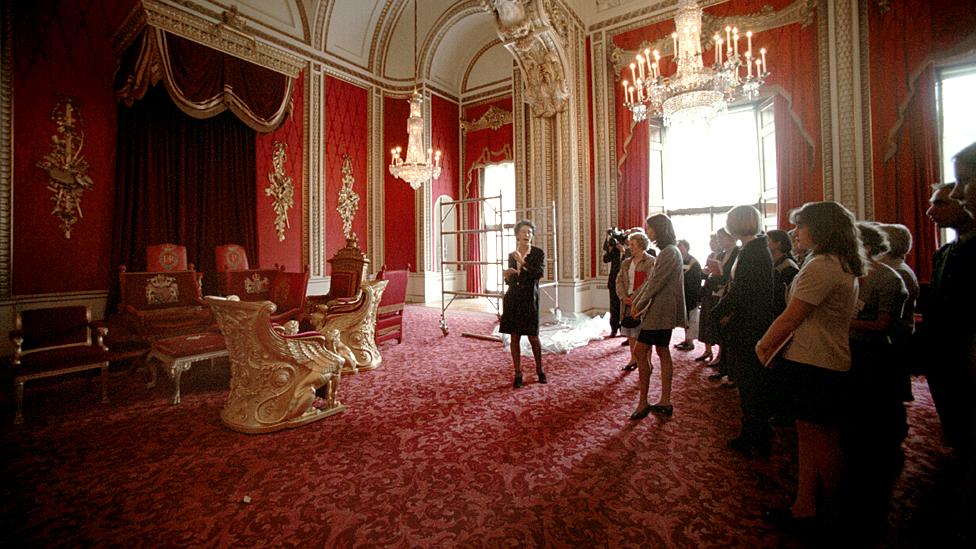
[497,180]
[700,169]
[955,88]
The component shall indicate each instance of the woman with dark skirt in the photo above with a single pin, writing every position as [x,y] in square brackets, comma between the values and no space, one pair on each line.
[520,306]
[745,313]
[660,304]
[814,331]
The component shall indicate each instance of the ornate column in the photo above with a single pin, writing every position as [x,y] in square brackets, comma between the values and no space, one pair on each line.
[845,106]
[376,167]
[547,41]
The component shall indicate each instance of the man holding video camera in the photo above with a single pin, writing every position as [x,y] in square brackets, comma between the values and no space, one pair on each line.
[614,248]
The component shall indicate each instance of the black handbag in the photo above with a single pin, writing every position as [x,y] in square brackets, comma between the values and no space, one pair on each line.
[630,322]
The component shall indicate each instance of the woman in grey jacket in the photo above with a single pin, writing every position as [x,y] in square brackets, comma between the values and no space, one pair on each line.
[660,303]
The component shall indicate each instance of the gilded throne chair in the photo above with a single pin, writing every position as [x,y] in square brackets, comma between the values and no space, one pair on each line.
[274,377]
[350,307]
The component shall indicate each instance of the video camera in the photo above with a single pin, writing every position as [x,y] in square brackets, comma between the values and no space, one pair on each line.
[615,235]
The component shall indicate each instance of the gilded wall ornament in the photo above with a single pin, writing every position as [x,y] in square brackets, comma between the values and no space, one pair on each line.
[348,199]
[66,168]
[280,189]
[527,31]
[493,118]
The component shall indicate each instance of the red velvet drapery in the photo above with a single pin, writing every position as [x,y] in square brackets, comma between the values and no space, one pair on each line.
[203,82]
[907,41]
[181,180]
[481,148]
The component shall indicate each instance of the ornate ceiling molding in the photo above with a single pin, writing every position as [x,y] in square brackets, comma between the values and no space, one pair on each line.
[800,11]
[222,36]
[528,32]
[493,118]
[474,61]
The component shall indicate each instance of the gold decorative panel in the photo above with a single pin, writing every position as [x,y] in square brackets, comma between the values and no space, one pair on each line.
[280,189]
[67,169]
[348,199]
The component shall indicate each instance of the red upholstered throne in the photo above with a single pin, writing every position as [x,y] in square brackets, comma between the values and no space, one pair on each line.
[166,257]
[389,315]
[231,257]
[285,289]
[156,305]
[56,341]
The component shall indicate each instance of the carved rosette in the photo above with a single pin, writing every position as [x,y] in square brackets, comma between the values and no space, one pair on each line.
[66,168]
[348,199]
[529,33]
[493,118]
[281,189]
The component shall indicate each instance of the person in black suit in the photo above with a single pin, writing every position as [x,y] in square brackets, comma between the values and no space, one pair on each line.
[745,313]
[613,253]
[520,306]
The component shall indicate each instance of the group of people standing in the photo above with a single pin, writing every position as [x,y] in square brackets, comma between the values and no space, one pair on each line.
[817,324]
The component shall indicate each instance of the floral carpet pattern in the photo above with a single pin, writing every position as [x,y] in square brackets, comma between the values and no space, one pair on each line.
[435,450]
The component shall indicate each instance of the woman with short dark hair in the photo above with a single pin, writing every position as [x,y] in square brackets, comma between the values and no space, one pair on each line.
[520,306]
[660,304]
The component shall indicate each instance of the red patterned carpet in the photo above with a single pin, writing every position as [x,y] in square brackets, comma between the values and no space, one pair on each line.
[435,450]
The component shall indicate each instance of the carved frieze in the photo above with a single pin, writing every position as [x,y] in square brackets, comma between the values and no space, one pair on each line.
[281,189]
[493,118]
[528,32]
[66,168]
[348,199]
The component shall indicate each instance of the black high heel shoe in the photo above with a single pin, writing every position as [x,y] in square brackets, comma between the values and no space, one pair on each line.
[642,413]
[542,376]
[518,382]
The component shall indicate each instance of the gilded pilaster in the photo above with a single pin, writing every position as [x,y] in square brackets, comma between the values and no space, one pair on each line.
[315,178]
[850,184]
[6,150]
[375,182]
[422,203]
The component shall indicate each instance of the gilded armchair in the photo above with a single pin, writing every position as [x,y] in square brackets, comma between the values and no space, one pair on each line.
[274,377]
[350,307]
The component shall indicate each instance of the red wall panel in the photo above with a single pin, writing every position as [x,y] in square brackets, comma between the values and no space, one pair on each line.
[270,250]
[399,211]
[63,49]
[346,133]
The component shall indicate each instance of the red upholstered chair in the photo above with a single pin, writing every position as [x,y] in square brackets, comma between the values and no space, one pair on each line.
[231,257]
[166,257]
[389,316]
[286,290]
[56,341]
[157,305]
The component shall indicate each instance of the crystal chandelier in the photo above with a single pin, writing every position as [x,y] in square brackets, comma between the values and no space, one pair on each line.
[694,91]
[417,168]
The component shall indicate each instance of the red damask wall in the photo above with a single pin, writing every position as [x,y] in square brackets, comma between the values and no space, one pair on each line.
[346,133]
[444,122]
[271,251]
[399,209]
[63,49]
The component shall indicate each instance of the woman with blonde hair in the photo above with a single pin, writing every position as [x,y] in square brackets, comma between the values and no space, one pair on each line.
[818,357]
[634,271]
[660,304]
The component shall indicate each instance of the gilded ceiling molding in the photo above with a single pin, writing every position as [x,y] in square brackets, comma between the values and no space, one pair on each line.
[493,118]
[281,189]
[383,32]
[800,11]
[348,203]
[439,30]
[487,95]
[474,61]
[528,33]
[221,36]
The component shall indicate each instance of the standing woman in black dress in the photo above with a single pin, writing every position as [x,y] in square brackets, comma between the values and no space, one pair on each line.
[520,306]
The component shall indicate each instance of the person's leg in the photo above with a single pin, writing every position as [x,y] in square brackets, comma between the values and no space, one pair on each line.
[614,310]
[516,349]
[805,504]
[667,369]
[632,365]
[537,355]
[644,368]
